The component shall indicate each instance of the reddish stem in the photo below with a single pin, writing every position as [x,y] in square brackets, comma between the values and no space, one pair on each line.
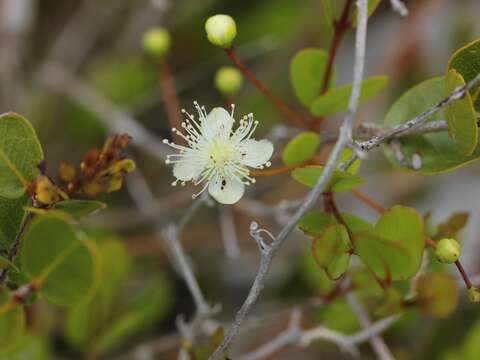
[368,201]
[462,272]
[297,118]
[170,99]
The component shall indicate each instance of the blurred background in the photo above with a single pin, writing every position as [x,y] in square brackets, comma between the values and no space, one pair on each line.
[76,70]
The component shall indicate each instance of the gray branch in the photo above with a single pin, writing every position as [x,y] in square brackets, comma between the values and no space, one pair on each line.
[344,139]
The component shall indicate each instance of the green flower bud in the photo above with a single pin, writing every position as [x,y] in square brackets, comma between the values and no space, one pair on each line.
[228,80]
[448,250]
[474,294]
[156,42]
[221,30]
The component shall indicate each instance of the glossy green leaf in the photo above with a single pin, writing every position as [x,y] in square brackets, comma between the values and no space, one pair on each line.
[79,209]
[466,61]
[307,70]
[20,154]
[336,100]
[394,251]
[437,151]
[437,294]
[11,216]
[331,250]
[301,148]
[461,116]
[12,322]
[340,180]
[64,266]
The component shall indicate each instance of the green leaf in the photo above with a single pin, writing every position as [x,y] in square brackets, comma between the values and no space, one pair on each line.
[372,6]
[79,209]
[301,148]
[340,180]
[461,116]
[394,251]
[20,154]
[147,309]
[437,151]
[11,216]
[466,61]
[346,154]
[455,223]
[12,322]
[437,294]
[64,266]
[29,347]
[313,277]
[327,11]
[336,100]
[307,70]
[331,250]
[89,318]
[314,223]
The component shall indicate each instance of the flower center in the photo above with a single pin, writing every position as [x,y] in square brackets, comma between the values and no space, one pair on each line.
[221,153]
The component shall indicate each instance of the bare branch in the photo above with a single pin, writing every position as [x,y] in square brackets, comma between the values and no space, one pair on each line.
[294,335]
[311,198]
[378,344]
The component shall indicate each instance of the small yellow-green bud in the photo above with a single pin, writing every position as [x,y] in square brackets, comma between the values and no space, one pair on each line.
[228,80]
[221,30]
[474,294]
[448,250]
[156,42]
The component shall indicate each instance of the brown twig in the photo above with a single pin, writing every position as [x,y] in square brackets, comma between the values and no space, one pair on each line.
[368,201]
[289,113]
[170,99]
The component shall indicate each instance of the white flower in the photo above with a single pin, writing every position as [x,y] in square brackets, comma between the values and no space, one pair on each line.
[218,156]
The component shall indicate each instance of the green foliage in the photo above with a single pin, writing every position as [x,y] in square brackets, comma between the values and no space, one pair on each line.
[301,148]
[307,73]
[11,216]
[461,116]
[438,152]
[78,209]
[29,347]
[394,250]
[314,278]
[12,322]
[314,223]
[339,182]
[346,154]
[64,266]
[105,321]
[336,100]
[331,250]
[466,61]
[20,155]
[437,294]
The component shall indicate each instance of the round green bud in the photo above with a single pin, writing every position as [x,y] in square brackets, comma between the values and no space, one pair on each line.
[474,294]
[156,42]
[221,30]
[448,250]
[228,80]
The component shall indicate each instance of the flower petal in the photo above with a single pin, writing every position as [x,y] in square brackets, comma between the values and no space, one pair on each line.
[255,153]
[226,191]
[188,169]
[219,123]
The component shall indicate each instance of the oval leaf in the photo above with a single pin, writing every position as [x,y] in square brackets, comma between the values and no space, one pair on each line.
[20,154]
[336,100]
[58,260]
[466,61]
[307,70]
[331,250]
[301,148]
[79,209]
[461,116]
[340,180]
[435,152]
[11,216]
